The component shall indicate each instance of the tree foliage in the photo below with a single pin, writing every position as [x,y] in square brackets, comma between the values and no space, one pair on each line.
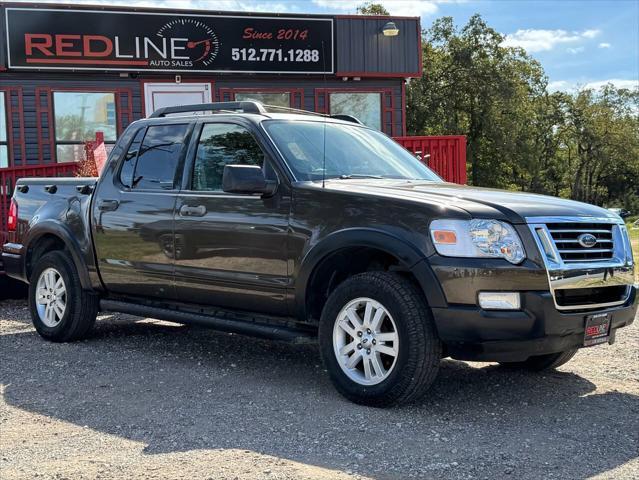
[370,8]
[583,145]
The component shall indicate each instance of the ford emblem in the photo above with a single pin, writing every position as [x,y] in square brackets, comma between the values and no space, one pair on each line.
[587,240]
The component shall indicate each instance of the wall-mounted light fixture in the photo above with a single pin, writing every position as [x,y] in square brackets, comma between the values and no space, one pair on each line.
[390,30]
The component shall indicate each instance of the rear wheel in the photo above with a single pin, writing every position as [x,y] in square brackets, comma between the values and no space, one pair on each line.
[60,310]
[539,363]
[378,340]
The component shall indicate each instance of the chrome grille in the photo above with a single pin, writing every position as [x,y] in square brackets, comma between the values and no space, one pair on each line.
[585,278]
[565,236]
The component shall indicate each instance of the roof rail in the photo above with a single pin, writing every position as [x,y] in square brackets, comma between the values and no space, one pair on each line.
[246,107]
[278,108]
[347,118]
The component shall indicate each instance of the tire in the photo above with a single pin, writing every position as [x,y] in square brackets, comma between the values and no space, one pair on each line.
[80,307]
[404,377]
[540,363]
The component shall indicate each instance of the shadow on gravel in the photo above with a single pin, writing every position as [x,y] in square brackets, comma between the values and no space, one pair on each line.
[177,388]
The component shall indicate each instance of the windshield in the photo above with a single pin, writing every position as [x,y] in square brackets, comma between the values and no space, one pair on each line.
[352,151]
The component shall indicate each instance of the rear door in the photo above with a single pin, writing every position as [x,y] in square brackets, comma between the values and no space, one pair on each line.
[230,248]
[133,212]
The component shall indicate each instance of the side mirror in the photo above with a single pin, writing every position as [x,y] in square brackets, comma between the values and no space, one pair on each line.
[246,179]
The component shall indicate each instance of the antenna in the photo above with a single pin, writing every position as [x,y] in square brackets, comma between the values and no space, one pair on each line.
[326,110]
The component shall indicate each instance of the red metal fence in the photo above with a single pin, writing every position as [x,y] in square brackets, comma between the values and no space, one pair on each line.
[446,154]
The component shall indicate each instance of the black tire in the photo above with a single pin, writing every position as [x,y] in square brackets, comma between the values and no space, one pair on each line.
[81,306]
[543,362]
[419,352]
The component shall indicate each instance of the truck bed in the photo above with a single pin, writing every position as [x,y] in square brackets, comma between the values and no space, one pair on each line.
[45,200]
[51,193]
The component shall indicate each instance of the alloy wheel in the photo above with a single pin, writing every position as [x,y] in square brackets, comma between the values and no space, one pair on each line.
[51,297]
[365,341]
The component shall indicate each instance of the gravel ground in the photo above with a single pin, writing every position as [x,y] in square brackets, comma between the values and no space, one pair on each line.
[149,399]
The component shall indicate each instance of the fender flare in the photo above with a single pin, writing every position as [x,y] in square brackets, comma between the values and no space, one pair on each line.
[50,227]
[409,255]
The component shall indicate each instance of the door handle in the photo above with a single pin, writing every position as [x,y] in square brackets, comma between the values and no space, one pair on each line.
[188,211]
[108,205]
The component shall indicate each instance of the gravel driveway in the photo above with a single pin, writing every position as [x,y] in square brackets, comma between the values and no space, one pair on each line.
[149,399]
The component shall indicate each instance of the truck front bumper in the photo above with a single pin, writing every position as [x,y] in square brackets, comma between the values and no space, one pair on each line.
[471,333]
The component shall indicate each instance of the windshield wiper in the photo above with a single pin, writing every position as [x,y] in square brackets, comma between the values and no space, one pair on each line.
[358,175]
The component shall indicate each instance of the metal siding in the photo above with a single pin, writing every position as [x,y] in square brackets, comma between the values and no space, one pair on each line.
[360,47]
[3,36]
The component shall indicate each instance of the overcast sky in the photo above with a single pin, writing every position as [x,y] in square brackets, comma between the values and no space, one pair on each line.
[580,43]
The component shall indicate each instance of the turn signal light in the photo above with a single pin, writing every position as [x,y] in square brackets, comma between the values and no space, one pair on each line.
[12,221]
[445,237]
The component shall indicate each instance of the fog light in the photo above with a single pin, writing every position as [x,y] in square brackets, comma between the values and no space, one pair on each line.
[499,300]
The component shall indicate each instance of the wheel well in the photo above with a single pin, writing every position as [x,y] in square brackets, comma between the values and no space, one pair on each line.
[43,245]
[339,266]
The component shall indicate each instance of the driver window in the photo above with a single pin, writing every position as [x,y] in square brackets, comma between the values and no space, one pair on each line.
[223,144]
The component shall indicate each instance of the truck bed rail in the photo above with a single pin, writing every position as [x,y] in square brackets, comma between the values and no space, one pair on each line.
[9,177]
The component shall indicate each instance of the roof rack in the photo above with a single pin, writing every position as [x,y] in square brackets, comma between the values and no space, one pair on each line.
[246,107]
[347,118]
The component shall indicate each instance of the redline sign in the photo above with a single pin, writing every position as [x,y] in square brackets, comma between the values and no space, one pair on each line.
[54,39]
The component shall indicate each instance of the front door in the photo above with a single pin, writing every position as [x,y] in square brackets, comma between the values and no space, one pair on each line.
[230,250]
[164,94]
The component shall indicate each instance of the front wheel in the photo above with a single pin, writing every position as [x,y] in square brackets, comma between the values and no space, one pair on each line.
[378,340]
[540,363]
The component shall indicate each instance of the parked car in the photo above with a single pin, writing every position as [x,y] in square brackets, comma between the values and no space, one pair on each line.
[310,228]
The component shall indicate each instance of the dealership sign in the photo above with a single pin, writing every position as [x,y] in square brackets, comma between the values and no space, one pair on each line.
[45,39]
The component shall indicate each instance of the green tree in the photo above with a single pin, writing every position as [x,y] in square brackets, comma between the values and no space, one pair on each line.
[583,146]
[370,8]
[474,86]
[601,145]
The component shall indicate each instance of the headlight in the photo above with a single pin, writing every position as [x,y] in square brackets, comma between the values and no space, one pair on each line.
[477,238]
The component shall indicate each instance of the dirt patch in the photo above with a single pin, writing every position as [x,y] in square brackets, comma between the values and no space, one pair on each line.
[149,399]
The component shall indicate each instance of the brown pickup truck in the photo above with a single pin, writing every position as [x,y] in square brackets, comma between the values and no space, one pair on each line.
[301,227]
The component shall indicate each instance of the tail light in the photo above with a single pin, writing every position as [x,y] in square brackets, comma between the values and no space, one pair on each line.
[12,221]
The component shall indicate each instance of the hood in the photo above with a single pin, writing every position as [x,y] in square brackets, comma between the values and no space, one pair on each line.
[477,202]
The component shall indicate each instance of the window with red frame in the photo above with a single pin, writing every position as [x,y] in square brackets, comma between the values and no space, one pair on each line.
[78,116]
[366,107]
[278,99]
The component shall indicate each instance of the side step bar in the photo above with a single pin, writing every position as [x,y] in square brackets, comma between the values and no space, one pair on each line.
[261,330]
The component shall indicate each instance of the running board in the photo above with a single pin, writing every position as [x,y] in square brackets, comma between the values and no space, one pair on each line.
[261,330]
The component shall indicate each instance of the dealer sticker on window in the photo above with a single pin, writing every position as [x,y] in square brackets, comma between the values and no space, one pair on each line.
[597,329]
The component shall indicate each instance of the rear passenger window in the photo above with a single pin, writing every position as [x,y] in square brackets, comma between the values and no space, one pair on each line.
[223,144]
[158,157]
[128,165]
